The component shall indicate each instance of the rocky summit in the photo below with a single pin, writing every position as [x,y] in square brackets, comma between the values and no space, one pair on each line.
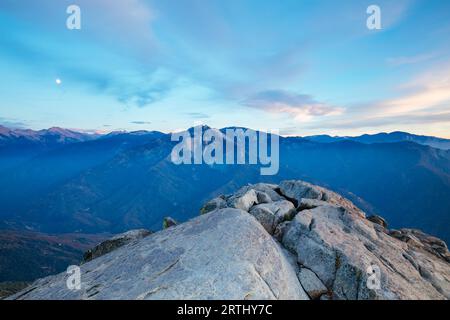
[288,241]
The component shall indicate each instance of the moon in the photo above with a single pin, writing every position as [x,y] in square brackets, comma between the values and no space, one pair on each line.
[58,81]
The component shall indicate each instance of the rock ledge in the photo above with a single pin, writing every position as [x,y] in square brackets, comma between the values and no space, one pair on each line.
[294,240]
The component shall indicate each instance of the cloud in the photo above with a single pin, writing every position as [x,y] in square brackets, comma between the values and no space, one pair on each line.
[197,115]
[424,100]
[115,49]
[289,131]
[407,60]
[393,12]
[140,122]
[104,21]
[134,87]
[373,122]
[300,106]
[130,86]
[425,92]
[13,123]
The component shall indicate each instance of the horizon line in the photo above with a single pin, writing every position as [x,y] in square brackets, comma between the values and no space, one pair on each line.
[100,132]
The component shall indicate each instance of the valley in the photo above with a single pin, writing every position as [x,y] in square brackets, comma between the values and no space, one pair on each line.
[61,200]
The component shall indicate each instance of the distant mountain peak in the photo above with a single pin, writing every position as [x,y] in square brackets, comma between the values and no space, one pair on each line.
[51,137]
[4,130]
[58,130]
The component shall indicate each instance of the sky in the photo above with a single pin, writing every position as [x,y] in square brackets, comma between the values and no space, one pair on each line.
[301,67]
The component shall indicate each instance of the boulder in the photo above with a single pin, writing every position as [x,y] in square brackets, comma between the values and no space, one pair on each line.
[169,222]
[420,240]
[325,247]
[265,217]
[280,230]
[378,220]
[244,199]
[273,213]
[341,247]
[114,243]
[263,197]
[310,204]
[214,204]
[304,195]
[269,189]
[225,254]
[332,238]
[297,190]
[311,283]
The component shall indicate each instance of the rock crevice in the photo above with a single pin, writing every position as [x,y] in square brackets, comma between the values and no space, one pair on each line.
[334,240]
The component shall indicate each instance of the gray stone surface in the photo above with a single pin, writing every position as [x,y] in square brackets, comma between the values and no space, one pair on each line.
[225,254]
[332,237]
[310,203]
[378,220]
[419,240]
[214,204]
[244,199]
[311,283]
[339,246]
[326,246]
[297,190]
[115,242]
[169,222]
[273,213]
[280,230]
[263,197]
[269,189]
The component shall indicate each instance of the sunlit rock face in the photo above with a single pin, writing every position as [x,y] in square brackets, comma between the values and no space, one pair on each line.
[288,241]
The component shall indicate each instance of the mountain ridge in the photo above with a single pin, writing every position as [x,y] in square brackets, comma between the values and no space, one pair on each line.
[394,136]
[124,181]
[383,137]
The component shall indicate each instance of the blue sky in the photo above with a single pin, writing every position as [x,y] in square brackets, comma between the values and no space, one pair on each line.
[303,67]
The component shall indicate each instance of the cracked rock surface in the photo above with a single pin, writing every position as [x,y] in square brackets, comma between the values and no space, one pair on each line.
[337,248]
[226,254]
[294,240]
[114,243]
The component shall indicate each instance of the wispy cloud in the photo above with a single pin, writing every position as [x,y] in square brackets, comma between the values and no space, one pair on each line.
[140,87]
[12,123]
[376,122]
[425,92]
[197,115]
[116,50]
[289,131]
[424,100]
[300,106]
[104,21]
[406,60]
[140,122]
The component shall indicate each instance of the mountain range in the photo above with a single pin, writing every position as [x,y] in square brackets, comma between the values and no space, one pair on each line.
[18,145]
[397,136]
[61,181]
